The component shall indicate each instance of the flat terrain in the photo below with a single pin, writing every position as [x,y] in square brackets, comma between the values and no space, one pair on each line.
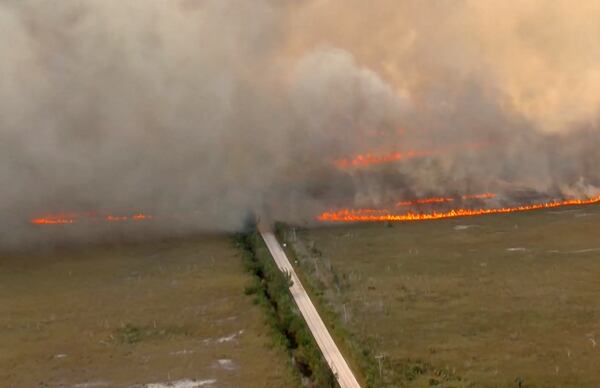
[132,315]
[495,301]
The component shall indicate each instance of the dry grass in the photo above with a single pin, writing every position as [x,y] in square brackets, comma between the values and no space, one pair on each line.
[497,300]
[134,314]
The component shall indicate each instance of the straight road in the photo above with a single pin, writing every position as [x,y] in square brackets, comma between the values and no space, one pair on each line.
[332,354]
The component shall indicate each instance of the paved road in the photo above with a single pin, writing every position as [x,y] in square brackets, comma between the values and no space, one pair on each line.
[332,354]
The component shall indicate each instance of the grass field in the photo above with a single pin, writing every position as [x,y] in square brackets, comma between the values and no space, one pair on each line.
[132,315]
[495,301]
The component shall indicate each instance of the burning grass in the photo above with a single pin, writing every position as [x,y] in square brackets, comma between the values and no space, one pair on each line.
[381,215]
[369,159]
[436,300]
[72,218]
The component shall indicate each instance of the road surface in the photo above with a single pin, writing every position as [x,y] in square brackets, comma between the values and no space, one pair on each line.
[332,354]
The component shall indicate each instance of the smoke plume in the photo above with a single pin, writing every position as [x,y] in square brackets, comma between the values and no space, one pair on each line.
[202,112]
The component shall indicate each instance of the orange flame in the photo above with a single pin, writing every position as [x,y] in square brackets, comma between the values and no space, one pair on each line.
[64,219]
[374,215]
[56,219]
[368,159]
[141,217]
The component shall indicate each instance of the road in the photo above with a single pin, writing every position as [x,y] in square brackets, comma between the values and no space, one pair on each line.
[332,354]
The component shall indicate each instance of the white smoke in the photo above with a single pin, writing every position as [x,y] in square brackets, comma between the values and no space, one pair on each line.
[199,112]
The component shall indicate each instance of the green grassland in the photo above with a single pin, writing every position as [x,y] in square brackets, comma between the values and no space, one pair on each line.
[495,301]
[123,315]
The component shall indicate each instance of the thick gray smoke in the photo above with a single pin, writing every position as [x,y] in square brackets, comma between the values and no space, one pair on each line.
[201,112]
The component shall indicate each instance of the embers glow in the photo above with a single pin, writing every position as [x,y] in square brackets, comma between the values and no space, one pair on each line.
[376,215]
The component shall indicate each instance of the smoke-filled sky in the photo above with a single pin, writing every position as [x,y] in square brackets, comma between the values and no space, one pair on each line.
[200,112]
